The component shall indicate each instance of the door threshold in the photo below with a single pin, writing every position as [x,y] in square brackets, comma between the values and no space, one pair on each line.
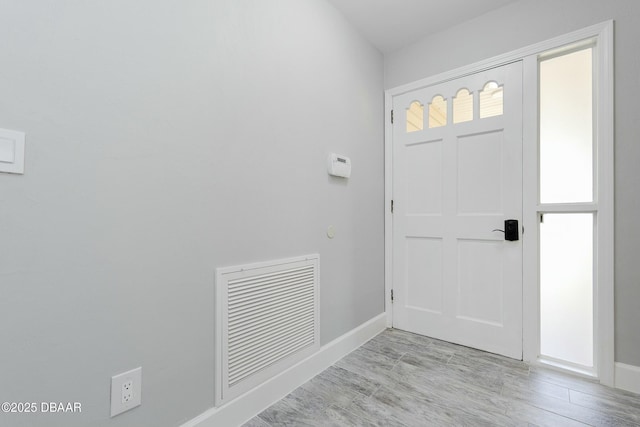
[567,367]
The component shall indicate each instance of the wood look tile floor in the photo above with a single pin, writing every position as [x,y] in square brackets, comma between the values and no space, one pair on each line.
[403,379]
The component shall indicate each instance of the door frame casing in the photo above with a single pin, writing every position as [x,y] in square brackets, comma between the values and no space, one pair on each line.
[604,137]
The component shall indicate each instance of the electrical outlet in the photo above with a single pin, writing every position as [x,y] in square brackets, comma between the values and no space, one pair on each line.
[126,391]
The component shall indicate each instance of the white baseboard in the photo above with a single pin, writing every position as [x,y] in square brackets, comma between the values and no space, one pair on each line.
[250,404]
[627,377]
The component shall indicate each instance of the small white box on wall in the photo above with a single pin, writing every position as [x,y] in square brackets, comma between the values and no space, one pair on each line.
[339,165]
[11,151]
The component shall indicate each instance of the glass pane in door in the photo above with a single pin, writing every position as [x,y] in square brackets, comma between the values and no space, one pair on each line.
[566,128]
[566,287]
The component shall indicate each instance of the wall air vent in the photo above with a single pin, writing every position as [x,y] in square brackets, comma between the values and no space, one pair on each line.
[267,319]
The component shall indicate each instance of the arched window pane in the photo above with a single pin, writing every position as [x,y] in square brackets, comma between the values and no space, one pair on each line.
[415,117]
[491,100]
[463,106]
[437,112]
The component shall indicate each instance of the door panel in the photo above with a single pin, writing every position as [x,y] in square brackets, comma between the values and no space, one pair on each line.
[480,173]
[480,281]
[424,268]
[455,278]
[424,177]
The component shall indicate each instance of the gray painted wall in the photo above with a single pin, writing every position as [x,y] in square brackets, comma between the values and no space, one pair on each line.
[530,21]
[164,139]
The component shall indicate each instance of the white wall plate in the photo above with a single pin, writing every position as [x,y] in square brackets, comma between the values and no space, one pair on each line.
[11,151]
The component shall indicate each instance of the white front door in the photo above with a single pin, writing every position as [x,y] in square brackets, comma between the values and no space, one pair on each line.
[457,176]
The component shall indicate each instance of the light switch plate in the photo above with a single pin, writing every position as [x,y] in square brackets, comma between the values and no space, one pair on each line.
[11,151]
[126,391]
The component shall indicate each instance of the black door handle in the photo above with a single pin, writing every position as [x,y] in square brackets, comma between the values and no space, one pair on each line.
[510,231]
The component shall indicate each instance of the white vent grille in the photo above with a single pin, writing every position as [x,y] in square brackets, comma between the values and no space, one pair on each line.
[268,320]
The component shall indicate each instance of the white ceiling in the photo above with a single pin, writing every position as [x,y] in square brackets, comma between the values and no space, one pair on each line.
[392,24]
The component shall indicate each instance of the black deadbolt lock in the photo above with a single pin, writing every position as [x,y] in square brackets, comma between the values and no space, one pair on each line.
[511,232]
